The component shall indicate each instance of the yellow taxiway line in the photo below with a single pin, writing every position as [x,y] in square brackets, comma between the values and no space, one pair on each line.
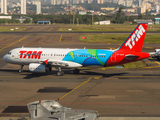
[41,29]
[149,47]
[33,29]
[75,88]
[157,63]
[153,62]
[152,67]
[60,38]
[132,76]
[111,48]
[51,29]
[13,43]
[6,49]
[150,62]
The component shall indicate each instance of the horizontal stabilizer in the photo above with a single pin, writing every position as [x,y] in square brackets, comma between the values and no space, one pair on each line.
[130,57]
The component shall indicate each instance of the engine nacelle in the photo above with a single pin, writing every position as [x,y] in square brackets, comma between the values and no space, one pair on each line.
[35,67]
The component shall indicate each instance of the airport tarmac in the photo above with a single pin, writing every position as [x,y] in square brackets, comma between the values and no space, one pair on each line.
[111,92]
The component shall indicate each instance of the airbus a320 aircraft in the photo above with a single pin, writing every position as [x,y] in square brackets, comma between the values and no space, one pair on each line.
[43,59]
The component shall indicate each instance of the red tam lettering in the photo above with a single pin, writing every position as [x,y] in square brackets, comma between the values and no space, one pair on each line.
[21,53]
[28,54]
[36,55]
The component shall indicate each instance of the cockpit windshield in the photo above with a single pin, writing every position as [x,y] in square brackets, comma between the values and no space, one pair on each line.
[9,53]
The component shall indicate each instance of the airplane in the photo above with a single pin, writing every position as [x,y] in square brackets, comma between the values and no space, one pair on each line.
[157,54]
[43,59]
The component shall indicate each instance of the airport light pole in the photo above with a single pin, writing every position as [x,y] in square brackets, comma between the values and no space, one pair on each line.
[92,18]
[77,21]
[73,18]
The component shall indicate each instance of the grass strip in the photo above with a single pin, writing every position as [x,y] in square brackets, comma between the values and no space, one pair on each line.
[8,29]
[116,38]
[137,64]
[111,27]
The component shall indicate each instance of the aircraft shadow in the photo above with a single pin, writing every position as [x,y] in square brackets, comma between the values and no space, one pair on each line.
[11,71]
[83,72]
[101,74]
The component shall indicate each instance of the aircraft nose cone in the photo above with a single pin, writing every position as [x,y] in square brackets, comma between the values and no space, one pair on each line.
[5,58]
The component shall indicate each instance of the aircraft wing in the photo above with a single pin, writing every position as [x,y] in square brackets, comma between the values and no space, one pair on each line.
[54,63]
[59,63]
[130,57]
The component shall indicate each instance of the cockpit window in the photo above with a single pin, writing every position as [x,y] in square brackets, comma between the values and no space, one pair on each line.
[9,53]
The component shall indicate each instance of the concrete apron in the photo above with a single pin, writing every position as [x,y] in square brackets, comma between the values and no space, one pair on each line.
[100,118]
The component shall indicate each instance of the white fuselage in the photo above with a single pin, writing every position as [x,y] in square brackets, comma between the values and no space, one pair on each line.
[47,53]
[72,57]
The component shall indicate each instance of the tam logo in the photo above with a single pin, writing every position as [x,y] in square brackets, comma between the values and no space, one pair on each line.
[30,54]
[135,37]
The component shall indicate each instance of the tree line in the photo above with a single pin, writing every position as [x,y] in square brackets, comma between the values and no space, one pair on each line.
[5,21]
[71,18]
[118,18]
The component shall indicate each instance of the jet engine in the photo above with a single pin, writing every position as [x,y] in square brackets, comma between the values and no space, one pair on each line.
[36,67]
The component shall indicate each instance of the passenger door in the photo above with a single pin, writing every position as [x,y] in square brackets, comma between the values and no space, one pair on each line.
[113,57]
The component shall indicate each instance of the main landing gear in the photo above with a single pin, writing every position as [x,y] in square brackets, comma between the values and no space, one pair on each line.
[76,71]
[21,70]
[60,72]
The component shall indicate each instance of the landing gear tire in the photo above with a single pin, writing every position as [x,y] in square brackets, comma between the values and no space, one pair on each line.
[20,71]
[60,73]
[76,71]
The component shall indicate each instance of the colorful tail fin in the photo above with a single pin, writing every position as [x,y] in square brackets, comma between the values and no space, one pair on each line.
[135,41]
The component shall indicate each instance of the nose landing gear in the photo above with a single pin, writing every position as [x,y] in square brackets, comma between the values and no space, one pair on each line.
[21,70]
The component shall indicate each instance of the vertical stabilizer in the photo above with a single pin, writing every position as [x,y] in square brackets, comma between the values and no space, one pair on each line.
[135,41]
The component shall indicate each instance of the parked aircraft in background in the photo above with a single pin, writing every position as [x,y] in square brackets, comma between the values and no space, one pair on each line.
[43,59]
[157,54]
